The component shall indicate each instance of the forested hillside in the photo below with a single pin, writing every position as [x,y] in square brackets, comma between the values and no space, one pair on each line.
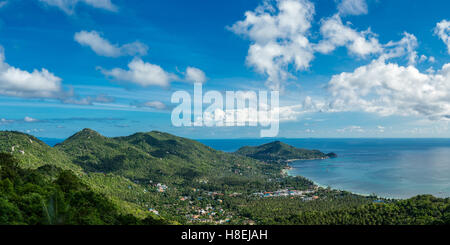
[52,196]
[158,178]
[279,152]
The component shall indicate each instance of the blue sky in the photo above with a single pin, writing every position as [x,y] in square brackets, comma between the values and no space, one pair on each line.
[346,68]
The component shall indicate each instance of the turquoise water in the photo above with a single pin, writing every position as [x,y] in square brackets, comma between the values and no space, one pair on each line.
[51,141]
[396,168]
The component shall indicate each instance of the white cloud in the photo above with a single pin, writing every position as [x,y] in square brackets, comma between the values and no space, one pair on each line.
[352,7]
[155,104]
[278,35]
[20,83]
[195,75]
[405,47]
[310,105]
[363,43]
[443,31]
[68,6]
[89,100]
[424,58]
[390,89]
[103,47]
[26,119]
[30,119]
[285,114]
[5,121]
[430,70]
[351,129]
[336,34]
[142,73]
[278,32]
[35,130]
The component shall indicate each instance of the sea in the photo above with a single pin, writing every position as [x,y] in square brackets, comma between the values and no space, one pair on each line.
[390,168]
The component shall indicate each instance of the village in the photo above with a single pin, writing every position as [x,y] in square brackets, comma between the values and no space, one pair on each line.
[306,195]
[207,207]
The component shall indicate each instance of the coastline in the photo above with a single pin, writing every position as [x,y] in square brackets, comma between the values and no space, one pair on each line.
[310,159]
[289,173]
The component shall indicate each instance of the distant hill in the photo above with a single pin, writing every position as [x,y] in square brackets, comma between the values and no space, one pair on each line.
[280,152]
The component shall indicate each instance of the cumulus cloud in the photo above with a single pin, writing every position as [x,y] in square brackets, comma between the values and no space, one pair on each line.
[26,119]
[352,7]
[279,30]
[336,34]
[68,6]
[155,104]
[40,84]
[146,74]
[103,47]
[443,31]
[30,119]
[20,83]
[423,58]
[364,43]
[405,47]
[220,117]
[278,35]
[195,75]
[5,121]
[391,89]
[141,73]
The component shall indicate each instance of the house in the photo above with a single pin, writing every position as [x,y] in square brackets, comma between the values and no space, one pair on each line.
[153,211]
[161,187]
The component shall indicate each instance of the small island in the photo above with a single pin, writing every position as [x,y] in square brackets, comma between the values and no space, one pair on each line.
[279,152]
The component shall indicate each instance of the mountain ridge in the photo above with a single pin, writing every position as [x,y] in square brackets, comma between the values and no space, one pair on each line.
[32,152]
[279,152]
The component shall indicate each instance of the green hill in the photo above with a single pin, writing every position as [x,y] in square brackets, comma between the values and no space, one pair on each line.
[50,195]
[280,152]
[127,169]
[32,152]
[159,157]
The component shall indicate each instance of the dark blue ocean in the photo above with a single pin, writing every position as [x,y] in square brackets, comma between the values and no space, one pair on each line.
[397,168]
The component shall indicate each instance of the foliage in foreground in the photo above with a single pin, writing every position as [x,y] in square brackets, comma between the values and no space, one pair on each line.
[349,209]
[51,196]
